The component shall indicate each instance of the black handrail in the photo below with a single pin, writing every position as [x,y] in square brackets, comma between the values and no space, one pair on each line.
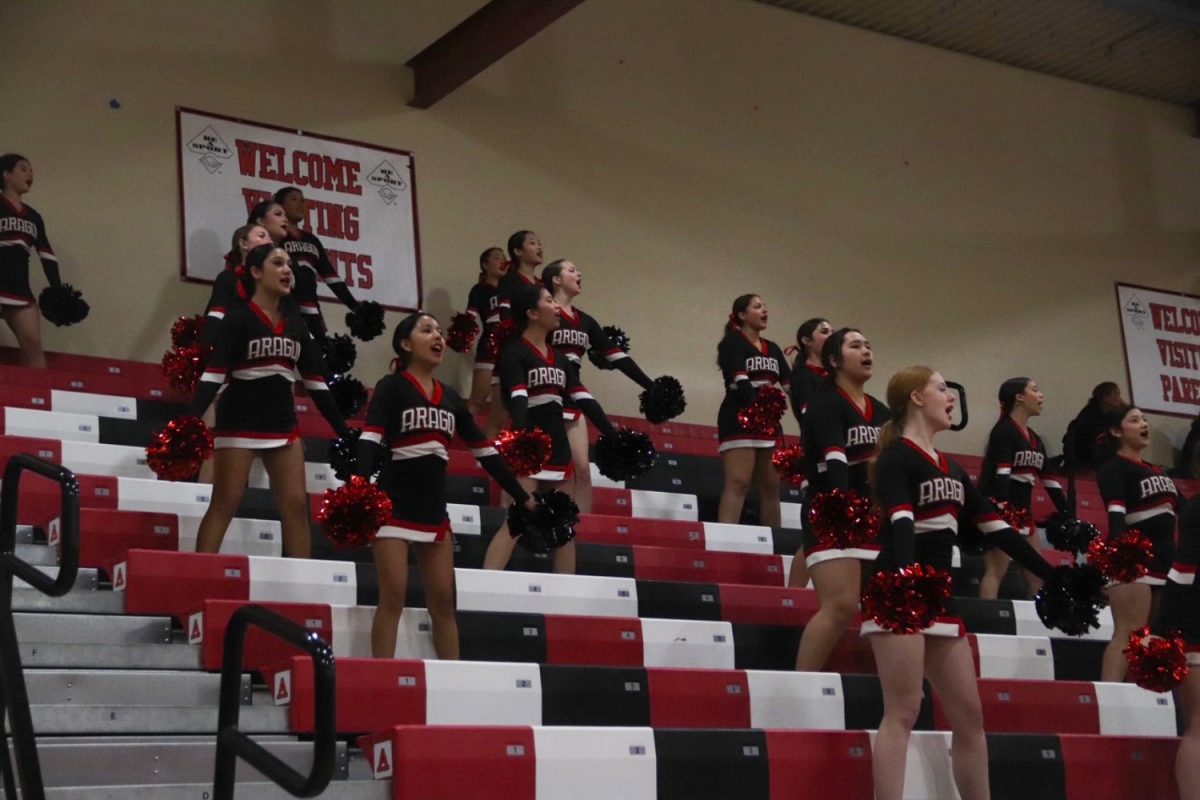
[232,743]
[962,405]
[13,696]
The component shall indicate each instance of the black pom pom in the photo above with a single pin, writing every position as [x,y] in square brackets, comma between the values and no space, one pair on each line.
[547,527]
[343,454]
[624,454]
[664,400]
[349,394]
[63,305]
[1071,600]
[1064,532]
[366,321]
[619,339]
[340,353]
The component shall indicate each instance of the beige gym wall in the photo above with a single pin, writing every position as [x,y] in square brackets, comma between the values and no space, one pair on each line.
[964,214]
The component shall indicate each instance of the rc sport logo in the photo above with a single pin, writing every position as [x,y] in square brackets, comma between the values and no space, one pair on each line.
[389,181]
[1136,312]
[211,148]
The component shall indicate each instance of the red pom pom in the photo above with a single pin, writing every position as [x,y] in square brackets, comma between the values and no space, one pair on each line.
[909,599]
[843,519]
[789,463]
[353,513]
[1019,519]
[763,414]
[179,449]
[1125,558]
[526,451]
[186,332]
[501,335]
[1157,663]
[184,367]
[462,332]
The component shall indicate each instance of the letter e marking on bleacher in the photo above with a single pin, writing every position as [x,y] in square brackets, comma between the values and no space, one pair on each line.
[283,688]
[383,759]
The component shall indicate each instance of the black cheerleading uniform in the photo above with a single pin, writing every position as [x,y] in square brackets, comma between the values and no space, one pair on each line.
[22,233]
[312,264]
[534,386]
[840,442]
[922,500]
[577,332]
[746,368]
[1180,607]
[483,303]
[1138,495]
[509,284]
[1014,461]
[808,381]
[260,359]
[416,429]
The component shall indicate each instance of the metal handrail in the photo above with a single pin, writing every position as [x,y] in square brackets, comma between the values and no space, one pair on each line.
[14,699]
[962,405]
[232,743]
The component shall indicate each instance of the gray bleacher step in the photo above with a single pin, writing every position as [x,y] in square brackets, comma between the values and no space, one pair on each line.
[124,719]
[122,764]
[102,656]
[362,789]
[38,554]
[128,687]
[48,628]
[82,599]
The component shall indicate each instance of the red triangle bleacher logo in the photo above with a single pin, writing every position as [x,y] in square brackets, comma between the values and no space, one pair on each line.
[196,628]
[383,759]
[119,577]
[283,688]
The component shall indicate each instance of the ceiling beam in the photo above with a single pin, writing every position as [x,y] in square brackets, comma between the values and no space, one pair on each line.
[477,42]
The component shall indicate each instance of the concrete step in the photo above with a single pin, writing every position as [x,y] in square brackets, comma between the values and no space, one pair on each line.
[127,687]
[108,656]
[123,719]
[80,629]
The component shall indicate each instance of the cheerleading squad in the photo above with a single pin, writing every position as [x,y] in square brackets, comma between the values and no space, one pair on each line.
[883,507]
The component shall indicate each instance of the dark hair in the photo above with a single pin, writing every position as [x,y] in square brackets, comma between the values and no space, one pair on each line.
[8,162]
[281,194]
[405,331]
[833,349]
[1008,393]
[1102,390]
[805,331]
[550,272]
[295,326]
[260,211]
[486,254]
[524,300]
[1108,445]
[515,243]
[732,325]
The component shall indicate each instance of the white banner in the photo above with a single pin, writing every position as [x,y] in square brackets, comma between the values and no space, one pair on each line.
[361,201]
[1162,348]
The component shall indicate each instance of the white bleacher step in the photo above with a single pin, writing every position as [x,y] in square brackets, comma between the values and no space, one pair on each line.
[90,629]
[120,764]
[106,656]
[541,592]
[1028,623]
[244,536]
[102,405]
[121,461]
[128,687]
[117,719]
[664,505]
[51,425]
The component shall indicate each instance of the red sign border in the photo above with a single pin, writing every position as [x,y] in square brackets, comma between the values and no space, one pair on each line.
[1125,345]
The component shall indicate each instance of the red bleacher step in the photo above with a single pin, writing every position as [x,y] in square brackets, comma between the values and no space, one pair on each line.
[106,535]
[810,765]
[372,693]
[206,624]
[1119,766]
[452,762]
[1029,706]
[699,698]
[767,605]
[594,641]
[624,530]
[160,582]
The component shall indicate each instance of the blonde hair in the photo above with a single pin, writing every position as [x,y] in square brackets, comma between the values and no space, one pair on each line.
[899,393]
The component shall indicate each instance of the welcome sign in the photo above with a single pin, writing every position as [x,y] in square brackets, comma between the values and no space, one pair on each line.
[360,198]
[1162,348]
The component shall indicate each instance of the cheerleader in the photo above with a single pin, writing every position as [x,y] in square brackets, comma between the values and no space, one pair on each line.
[260,346]
[224,298]
[809,375]
[271,216]
[748,361]
[536,380]
[412,419]
[923,496]
[312,263]
[524,250]
[22,233]
[576,333]
[841,438]
[1014,461]
[1137,495]
[483,303]
[1180,610]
